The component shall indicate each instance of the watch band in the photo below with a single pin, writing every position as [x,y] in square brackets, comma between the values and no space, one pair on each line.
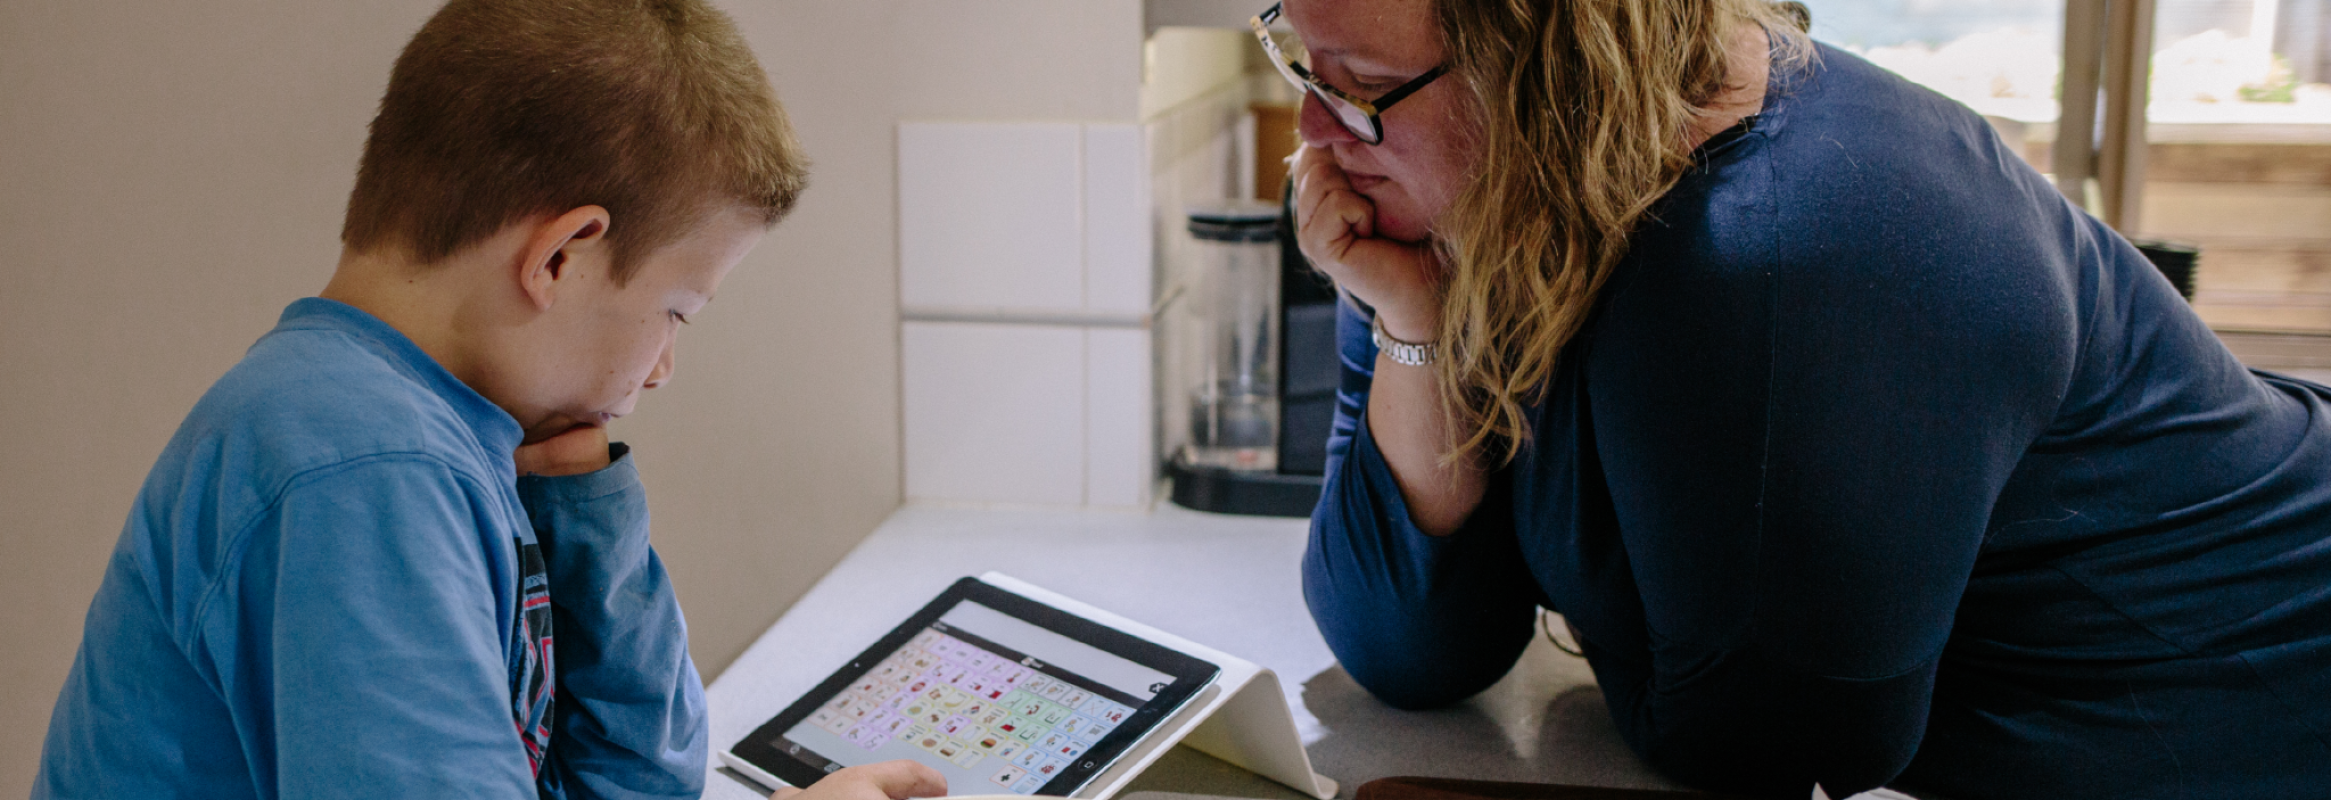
[1410,353]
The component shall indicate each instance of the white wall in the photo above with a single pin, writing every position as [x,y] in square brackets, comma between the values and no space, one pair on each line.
[1036,283]
[1025,289]
[172,174]
[1201,13]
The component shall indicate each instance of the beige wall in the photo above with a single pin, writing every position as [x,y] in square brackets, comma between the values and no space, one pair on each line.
[171,174]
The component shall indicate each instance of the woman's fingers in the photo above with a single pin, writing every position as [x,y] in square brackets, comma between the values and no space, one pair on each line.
[1327,207]
[1335,226]
[1330,216]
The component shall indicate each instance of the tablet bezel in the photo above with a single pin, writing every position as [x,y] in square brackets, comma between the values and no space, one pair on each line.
[1189,675]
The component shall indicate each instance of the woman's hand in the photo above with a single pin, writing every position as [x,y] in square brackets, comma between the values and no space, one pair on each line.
[888,780]
[1336,227]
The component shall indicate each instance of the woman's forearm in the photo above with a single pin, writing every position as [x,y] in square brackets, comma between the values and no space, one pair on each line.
[1412,431]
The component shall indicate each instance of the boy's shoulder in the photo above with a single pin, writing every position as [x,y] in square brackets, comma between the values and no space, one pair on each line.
[330,386]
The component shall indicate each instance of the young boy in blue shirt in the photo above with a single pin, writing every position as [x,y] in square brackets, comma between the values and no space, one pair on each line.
[391,552]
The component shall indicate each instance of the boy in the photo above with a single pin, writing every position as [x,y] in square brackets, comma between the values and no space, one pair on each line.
[392,553]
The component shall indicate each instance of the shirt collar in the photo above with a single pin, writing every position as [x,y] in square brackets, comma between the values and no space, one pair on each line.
[497,432]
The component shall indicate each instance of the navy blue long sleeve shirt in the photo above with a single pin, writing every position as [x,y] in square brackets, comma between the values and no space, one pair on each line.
[1879,460]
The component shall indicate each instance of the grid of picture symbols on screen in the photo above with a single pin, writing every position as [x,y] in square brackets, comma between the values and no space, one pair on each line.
[1005,723]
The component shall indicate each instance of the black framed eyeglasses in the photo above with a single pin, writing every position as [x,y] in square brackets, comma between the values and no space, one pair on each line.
[1363,118]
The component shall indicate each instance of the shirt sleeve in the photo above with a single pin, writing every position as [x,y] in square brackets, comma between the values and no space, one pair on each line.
[630,714]
[1417,620]
[360,641]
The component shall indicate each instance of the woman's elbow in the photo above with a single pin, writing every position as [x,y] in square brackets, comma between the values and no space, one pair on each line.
[1413,669]
[1411,687]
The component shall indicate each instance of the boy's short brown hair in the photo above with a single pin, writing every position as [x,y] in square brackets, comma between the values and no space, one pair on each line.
[501,110]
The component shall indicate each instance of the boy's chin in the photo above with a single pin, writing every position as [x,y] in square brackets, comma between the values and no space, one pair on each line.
[561,425]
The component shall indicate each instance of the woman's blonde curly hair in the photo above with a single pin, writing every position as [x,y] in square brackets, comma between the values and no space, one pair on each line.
[1582,109]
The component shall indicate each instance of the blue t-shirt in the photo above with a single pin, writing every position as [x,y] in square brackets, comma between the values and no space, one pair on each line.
[333,584]
[1878,459]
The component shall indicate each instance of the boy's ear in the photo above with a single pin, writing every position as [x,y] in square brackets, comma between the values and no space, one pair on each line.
[554,247]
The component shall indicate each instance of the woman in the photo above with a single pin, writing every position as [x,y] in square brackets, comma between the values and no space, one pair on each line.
[1848,448]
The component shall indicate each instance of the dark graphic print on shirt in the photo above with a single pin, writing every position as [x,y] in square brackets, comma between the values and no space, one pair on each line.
[533,688]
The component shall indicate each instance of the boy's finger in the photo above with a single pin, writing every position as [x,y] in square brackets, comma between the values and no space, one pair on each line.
[786,792]
[902,779]
[576,450]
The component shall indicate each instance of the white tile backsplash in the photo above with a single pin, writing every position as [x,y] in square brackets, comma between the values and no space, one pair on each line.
[989,215]
[1028,258]
[1116,220]
[994,412]
[1120,437]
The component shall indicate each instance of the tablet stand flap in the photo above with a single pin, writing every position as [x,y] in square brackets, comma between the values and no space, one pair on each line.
[1254,729]
[1243,719]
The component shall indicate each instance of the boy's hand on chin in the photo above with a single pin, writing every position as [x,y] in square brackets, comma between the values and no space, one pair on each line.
[888,780]
[574,451]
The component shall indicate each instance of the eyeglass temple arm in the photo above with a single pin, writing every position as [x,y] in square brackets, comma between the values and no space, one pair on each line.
[1410,88]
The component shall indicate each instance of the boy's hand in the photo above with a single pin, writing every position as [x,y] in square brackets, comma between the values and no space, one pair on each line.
[888,780]
[577,450]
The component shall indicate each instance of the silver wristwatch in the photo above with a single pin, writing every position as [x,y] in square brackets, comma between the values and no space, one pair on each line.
[1409,353]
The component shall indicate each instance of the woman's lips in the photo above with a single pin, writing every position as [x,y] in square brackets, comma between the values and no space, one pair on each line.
[1362,182]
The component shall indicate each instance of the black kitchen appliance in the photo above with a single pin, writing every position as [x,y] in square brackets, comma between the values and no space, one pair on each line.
[1306,384]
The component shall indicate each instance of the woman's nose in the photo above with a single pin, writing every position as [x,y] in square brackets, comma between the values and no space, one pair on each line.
[1317,125]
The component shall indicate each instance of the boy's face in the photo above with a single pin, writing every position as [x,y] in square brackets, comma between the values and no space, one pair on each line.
[605,343]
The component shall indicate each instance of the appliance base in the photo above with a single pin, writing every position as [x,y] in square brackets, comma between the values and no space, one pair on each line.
[1224,491]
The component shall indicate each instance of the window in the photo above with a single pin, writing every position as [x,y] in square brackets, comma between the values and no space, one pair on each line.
[2238,157]
[2220,138]
[2000,57]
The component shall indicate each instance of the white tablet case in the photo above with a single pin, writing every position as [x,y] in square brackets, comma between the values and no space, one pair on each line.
[1242,719]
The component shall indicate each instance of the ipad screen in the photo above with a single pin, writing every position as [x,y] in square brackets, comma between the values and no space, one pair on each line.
[995,703]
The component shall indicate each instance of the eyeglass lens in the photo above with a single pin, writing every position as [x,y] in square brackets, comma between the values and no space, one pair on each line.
[1354,119]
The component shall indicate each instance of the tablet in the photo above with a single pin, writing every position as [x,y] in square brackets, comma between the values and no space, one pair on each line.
[998,692]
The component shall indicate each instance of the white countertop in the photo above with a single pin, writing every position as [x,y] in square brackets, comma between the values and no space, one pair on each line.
[1229,582]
